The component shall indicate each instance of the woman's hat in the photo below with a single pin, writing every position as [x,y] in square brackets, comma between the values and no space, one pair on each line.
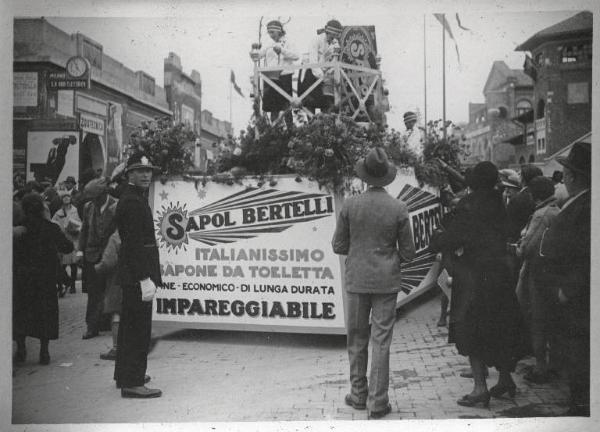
[483,176]
[139,160]
[95,188]
[333,27]
[375,168]
[275,25]
[410,116]
[579,159]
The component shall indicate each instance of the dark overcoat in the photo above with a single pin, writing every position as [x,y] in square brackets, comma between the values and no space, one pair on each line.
[485,321]
[35,266]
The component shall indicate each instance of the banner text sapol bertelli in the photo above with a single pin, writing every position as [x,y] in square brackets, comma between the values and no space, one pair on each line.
[306,268]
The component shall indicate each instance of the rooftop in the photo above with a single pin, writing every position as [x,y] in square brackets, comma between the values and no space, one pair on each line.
[579,24]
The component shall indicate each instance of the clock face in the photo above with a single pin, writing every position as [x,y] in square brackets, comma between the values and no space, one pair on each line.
[77,67]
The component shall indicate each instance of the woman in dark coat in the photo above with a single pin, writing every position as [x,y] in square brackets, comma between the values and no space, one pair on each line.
[35,302]
[485,322]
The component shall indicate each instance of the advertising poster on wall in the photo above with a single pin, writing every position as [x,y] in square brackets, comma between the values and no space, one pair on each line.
[114,136]
[52,155]
[93,148]
[248,258]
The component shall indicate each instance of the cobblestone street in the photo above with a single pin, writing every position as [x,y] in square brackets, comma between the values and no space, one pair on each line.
[240,376]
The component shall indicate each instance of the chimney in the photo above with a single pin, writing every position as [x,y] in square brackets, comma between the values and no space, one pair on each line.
[173,59]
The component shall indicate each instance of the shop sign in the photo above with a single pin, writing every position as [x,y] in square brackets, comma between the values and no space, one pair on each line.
[61,81]
[92,124]
[25,89]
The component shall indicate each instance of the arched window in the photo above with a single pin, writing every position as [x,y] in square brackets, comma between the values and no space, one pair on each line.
[523,106]
[531,158]
[541,109]
[502,112]
[521,160]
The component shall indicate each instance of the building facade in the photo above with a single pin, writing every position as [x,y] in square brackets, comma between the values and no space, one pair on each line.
[561,66]
[65,131]
[507,93]
[212,137]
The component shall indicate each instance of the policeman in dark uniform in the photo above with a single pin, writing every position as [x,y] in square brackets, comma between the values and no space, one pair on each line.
[140,274]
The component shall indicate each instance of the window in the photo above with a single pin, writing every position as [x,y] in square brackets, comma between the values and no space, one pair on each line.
[541,109]
[531,158]
[539,59]
[576,53]
[541,146]
[187,115]
[523,106]
[93,52]
[502,112]
[147,84]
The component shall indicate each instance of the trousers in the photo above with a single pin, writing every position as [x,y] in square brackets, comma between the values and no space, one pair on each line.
[382,309]
[95,284]
[133,339]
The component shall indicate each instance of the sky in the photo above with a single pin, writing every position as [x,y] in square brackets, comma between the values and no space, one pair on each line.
[217,38]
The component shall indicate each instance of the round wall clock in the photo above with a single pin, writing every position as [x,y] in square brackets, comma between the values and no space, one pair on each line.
[77,67]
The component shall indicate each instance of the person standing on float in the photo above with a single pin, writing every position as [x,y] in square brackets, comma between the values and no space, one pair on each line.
[373,230]
[279,53]
[413,135]
[139,272]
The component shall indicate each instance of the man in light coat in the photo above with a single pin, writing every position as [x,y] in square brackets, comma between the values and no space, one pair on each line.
[373,230]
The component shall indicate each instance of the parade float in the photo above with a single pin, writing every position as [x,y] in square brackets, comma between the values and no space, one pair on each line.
[247,244]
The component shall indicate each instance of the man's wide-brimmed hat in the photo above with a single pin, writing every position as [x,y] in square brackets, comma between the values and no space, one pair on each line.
[579,159]
[375,169]
[140,160]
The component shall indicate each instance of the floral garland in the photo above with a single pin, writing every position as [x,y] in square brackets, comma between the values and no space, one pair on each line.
[326,148]
[166,144]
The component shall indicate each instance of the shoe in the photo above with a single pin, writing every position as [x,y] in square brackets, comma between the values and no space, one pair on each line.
[72,290]
[471,401]
[111,355]
[141,392]
[379,414]
[356,405]
[19,356]
[44,358]
[499,389]
[62,290]
[89,334]
[537,377]
[146,381]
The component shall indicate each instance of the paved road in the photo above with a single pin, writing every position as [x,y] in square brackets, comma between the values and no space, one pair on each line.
[241,376]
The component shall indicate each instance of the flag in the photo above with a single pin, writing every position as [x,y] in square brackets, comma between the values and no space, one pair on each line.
[529,68]
[460,25]
[442,19]
[235,86]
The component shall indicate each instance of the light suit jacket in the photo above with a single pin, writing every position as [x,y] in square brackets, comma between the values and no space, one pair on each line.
[373,229]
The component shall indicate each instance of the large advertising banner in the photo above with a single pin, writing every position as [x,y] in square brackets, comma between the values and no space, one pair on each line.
[248,258]
[425,213]
[52,155]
